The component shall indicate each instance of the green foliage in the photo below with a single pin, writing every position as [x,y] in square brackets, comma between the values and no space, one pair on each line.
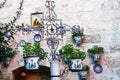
[96,50]
[70,52]
[80,33]
[31,50]
[86,67]
[6,52]
[27,49]
[43,56]
[2,4]
[36,48]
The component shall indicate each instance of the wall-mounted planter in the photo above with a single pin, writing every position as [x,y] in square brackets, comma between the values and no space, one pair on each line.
[95,57]
[31,63]
[75,64]
[54,69]
[83,74]
[6,62]
[95,52]
[77,40]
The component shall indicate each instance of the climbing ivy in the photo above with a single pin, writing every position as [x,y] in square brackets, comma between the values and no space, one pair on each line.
[2,4]
[5,50]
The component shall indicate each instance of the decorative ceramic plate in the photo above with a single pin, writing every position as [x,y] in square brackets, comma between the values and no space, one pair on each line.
[98,68]
[41,52]
[37,37]
[22,42]
[8,34]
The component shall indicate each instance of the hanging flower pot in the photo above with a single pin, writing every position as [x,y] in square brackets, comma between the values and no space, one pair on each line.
[95,53]
[73,56]
[31,62]
[30,56]
[6,62]
[78,40]
[77,36]
[54,69]
[95,57]
[75,64]
[83,74]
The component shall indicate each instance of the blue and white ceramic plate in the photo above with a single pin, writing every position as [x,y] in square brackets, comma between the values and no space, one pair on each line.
[37,37]
[22,43]
[8,34]
[41,52]
[98,68]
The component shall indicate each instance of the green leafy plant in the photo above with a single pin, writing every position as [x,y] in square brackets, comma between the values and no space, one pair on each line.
[70,52]
[43,56]
[2,4]
[96,50]
[5,50]
[27,49]
[80,33]
[31,50]
[86,68]
[36,48]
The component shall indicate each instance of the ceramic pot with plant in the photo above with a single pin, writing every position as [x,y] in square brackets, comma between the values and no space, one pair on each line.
[6,53]
[30,55]
[77,37]
[84,72]
[95,52]
[74,56]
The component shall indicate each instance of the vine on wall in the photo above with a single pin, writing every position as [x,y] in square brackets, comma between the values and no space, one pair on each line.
[2,4]
[7,30]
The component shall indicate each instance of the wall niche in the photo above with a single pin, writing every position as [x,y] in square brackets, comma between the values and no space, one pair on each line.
[43,73]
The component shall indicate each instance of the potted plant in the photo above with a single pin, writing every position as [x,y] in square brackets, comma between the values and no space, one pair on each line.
[30,55]
[74,56]
[77,37]
[6,52]
[84,72]
[95,52]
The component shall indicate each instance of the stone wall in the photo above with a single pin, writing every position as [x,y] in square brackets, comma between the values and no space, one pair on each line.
[99,18]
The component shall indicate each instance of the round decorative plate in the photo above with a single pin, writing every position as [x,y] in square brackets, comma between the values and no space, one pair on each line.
[22,42]
[98,68]
[37,37]
[41,52]
[8,34]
